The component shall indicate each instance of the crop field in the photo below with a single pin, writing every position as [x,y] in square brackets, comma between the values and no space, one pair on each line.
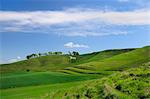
[36,92]
[40,78]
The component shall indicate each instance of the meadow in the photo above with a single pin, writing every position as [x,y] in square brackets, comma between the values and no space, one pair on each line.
[108,74]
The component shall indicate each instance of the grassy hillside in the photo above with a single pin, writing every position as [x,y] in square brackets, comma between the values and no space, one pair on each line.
[131,84]
[44,63]
[57,62]
[118,62]
[55,77]
[97,56]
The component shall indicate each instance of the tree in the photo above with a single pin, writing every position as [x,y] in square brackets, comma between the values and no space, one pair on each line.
[75,53]
[55,53]
[34,55]
[59,53]
[28,57]
[39,54]
[31,56]
[50,53]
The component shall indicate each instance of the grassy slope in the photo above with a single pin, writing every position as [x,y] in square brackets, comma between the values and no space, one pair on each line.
[131,84]
[121,61]
[13,80]
[96,63]
[116,62]
[36,92]
[44,63]
[97,56]
[50,63]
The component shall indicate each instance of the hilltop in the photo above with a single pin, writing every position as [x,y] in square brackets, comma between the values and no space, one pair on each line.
[58,62]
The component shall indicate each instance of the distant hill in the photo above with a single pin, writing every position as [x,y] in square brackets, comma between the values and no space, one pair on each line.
[96,56]
[58,62]
[114,63]
[43,63]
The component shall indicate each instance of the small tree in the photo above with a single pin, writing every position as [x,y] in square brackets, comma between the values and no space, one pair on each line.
[28,57]
[59,53]
[75,53]
[39,54]
[50,53]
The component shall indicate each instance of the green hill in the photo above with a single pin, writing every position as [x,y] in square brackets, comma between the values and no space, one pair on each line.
[43,63]
[131,84]
[25,73]
[115,63]
[97,56]
[56,77]
[58,62]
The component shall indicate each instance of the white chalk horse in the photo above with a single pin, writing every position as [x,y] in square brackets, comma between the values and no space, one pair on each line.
[72,58]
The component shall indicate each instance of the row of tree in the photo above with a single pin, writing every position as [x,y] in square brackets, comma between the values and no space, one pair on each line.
[73,54]
[43,54]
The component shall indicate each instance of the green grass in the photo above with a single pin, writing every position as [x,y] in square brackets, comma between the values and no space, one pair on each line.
[12,80]
[98,56]
[122,61]
[131,84]
[36,92]
[55,77]
[57,62]
[44,63]
[116,62]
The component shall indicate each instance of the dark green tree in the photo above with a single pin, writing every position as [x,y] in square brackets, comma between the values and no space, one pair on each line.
[75,53]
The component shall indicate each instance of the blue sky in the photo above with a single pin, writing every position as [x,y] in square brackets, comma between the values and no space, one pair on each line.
[33,26]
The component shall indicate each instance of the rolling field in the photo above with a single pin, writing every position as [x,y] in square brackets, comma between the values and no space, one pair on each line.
[36,92]
[115,63]
[12,80]
[50,63]
[98,56]
[122,61]
[108,74]
[131,84]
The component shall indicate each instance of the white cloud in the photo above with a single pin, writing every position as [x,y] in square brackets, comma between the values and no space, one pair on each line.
[73,45]
[72,22]
[18,57]
[60,17]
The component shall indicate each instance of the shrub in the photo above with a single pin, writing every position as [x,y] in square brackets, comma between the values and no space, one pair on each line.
[28,70]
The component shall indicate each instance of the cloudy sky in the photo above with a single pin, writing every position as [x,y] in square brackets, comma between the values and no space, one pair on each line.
[33,26]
